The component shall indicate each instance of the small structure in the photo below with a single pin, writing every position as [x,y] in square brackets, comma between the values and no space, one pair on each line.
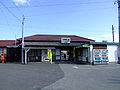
[103,52]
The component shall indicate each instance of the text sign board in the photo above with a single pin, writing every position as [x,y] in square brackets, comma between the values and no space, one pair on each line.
[65,40]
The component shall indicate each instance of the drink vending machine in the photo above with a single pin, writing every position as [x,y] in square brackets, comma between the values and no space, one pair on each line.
[96,56]
[104,56]
[100,56]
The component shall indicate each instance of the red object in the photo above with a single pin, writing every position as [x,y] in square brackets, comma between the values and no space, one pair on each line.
[45,38]
[7,42]
[3,61]
[56,38]
[2,57]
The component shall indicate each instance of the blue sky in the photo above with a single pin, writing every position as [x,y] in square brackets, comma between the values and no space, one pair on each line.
[86,18]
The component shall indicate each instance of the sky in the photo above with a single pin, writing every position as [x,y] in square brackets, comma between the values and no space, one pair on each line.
[92,19]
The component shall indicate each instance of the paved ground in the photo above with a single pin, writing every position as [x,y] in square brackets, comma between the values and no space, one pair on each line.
[59,77]
[87,77]
[28,77]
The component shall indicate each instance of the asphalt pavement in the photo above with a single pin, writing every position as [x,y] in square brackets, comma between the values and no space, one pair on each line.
[28,77]
[88,77]
[59,77]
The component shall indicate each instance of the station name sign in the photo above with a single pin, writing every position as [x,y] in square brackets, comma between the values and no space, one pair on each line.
[65,40]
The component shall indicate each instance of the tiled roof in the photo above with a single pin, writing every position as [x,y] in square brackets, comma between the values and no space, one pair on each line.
[7,42]
[56,38]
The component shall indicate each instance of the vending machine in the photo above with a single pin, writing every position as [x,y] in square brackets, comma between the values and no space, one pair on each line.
[100,56]
[104,56]
[96,56]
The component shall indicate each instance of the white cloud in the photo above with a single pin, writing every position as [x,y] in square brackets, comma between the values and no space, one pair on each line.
[108,37]
[97,39]
[94,38]
[21,2]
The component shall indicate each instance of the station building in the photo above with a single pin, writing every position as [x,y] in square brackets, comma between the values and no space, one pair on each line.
[37,47]
[47,48]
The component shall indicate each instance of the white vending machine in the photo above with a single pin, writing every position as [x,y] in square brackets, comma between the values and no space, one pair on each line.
[100,56]
[96,56]
[104,59]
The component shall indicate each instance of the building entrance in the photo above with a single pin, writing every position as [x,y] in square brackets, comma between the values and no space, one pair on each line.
[82,55]
[64,54]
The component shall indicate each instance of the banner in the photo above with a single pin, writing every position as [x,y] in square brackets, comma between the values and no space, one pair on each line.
[73,52]
[49,53]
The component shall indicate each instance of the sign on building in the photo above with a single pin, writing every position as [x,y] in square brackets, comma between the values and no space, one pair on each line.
[65,40]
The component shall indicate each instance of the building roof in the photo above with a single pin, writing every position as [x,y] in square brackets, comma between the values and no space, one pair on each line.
[57,38]
[7,42]
[104,43]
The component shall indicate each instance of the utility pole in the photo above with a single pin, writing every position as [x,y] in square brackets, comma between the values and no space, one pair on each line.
[113,33]
[22,56]
[15,39]
[119,18]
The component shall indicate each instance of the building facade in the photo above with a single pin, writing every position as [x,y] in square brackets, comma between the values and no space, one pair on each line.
[52,48]
[38,48]
[62,47]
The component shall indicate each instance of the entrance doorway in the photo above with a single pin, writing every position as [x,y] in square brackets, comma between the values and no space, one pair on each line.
[82,55]
[64,54]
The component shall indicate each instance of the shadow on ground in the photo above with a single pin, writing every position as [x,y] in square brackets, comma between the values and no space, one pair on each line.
[114,80]
[70,62]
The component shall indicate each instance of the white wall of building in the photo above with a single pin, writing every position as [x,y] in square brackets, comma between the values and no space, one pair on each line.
[91,53]
[112,53]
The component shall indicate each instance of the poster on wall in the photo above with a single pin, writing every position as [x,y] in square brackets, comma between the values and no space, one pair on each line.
[3,50]
[57,51]
[57,57]
[0,51]
[57,54]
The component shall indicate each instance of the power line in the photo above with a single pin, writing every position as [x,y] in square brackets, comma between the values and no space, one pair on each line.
[18,8]
[10,11]
[77,3]
[12,14]
[66,12]
[61,4]
[6,20]
[4,16]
